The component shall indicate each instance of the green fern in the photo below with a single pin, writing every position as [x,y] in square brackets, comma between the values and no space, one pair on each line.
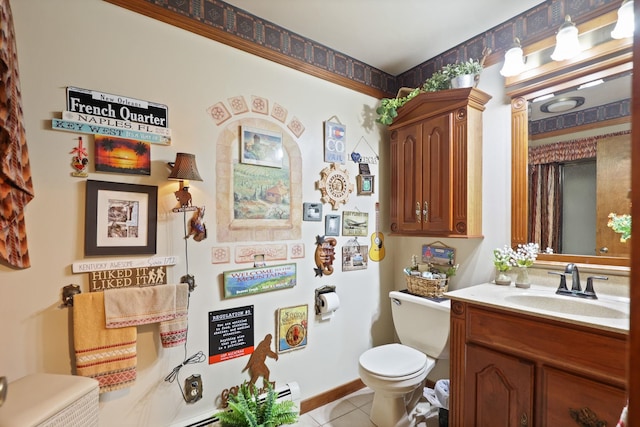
[246,409]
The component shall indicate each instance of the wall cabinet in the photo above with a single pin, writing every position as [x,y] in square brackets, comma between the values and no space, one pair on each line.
[436,164]
[511,369]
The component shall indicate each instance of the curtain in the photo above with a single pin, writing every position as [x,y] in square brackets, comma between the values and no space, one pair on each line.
[545,205]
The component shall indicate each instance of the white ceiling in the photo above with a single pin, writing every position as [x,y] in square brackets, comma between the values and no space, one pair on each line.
[392,35]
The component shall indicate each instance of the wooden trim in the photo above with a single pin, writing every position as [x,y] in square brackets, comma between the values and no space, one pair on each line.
[519,158]
[156,12]
[330,396]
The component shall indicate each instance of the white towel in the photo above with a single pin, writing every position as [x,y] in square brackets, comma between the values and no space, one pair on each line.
[139,306]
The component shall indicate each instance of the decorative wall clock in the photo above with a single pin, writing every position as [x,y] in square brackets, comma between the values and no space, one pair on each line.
[334,185]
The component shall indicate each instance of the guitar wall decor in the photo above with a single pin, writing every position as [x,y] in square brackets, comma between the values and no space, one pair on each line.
[377,251]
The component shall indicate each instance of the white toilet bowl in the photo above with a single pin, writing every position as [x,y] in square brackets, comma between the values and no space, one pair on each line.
[397,374]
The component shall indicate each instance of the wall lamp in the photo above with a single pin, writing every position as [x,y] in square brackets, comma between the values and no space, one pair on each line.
[184,169]
[567,43]
[513,60]
[625,25]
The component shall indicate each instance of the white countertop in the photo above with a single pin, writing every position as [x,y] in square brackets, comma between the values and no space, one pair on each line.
[505,297]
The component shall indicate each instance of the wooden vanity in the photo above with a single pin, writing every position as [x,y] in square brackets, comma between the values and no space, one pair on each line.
[511,368]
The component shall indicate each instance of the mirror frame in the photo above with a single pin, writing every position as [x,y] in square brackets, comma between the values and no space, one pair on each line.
[607,59]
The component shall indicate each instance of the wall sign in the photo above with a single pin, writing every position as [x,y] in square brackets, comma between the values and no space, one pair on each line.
[255,280]
[292,328]
[230,333]
[334,185]
[335,145]
[127,277]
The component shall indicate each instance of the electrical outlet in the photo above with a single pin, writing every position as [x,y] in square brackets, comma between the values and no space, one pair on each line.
[193,388]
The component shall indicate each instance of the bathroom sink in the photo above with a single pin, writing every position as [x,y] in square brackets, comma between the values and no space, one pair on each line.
[568,305]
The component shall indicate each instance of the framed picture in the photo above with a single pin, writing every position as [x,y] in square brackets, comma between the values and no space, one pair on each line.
[365,184]
[355,257]
[292,328]
[355,223]
[438,253]
[312,211]
[261,147]
[120,219]
[332,225]
[133,156]
[335,145]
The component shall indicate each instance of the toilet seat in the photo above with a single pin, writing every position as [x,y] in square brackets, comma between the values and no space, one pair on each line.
[393,361]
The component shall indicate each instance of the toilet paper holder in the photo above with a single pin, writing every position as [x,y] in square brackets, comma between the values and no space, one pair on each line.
[320,291]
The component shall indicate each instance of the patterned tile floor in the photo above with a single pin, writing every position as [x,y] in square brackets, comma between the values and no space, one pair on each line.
[350,411]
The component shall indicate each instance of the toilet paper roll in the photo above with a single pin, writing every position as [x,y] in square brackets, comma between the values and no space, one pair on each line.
[329,302]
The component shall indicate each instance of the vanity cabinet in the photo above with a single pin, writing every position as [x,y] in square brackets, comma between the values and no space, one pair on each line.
[436,164]
[512,369]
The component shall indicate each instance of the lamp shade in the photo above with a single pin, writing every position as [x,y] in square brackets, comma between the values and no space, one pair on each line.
[625,25]
[185,168]
[567,43]
[513,61]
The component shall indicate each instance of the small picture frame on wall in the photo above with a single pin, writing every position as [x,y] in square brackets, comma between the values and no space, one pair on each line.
[120,219]
[312,211]
[365,184]
[261,147]
[332,225]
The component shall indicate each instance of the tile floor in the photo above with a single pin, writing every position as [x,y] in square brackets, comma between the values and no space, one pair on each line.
[350,411]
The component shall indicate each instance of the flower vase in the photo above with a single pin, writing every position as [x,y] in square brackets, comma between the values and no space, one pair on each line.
[502,278]
[522,279]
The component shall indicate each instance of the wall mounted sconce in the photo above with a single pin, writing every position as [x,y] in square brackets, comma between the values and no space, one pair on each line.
[567,43]
[625,25]
[513,60]
[184,169]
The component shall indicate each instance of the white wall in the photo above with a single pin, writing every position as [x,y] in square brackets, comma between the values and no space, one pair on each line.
[95,45]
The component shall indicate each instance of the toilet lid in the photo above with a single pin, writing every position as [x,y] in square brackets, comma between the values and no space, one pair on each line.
[393,360]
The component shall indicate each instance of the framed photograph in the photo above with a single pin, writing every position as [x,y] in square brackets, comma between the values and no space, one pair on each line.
[355,257]
[120,219]
[332,225]
[292,328]
[355,223]
[365,184]
[335,142]
[312,211]
[261,147]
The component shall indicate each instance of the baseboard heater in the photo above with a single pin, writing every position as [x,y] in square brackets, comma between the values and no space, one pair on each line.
[290,391]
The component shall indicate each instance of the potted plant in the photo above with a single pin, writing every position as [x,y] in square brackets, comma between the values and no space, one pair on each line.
[248,410]
[503,260]
[463,74]
[449,76]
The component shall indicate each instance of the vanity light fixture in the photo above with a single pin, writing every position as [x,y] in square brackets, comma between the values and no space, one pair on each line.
[567,43]
[625,25]
[513,60]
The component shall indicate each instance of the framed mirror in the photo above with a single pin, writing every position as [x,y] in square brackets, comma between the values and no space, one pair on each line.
[559,199]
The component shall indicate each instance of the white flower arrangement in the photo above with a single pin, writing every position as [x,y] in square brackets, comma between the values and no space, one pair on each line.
[503,259]
[525,255]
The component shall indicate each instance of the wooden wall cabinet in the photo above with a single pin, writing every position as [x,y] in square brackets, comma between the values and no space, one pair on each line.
[510,369]
[436,164]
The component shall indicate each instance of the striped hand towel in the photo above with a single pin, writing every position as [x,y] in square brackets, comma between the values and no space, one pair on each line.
[174,332]
[108,355]
[139,306]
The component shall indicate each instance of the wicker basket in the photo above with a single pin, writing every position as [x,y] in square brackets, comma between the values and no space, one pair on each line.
[426,287]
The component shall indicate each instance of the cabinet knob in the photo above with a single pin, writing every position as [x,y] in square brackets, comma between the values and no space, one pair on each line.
[604,250]
[418,216]
[524,421]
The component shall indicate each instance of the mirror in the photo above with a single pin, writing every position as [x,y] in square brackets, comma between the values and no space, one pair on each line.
[604,61]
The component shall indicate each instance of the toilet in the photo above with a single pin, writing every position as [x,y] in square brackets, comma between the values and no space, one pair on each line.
[397,372]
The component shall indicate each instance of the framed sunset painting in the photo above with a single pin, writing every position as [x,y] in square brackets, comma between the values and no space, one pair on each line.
[119,155]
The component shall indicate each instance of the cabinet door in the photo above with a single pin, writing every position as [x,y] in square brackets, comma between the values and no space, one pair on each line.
[498,389]
[436,174]
[408,170]
[571,400]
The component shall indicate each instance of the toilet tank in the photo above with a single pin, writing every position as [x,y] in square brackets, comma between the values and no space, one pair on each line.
[422,323]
